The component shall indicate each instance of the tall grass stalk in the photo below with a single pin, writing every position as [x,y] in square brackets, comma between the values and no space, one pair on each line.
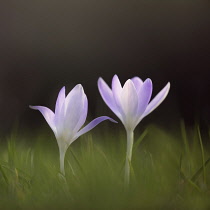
[202,154]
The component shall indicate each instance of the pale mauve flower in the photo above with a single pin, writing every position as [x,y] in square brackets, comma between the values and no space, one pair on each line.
[70,115]
[131,103]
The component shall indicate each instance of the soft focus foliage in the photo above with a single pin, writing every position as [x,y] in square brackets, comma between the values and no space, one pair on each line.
[168,172]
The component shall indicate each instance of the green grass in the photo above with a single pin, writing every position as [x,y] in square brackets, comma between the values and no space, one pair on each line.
[168,171]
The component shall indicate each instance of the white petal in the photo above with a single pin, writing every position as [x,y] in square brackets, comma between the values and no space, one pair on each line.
[59,104]
[70,113]
[157,100]
[74,106]
[83,115]
[75,91]
[129,103]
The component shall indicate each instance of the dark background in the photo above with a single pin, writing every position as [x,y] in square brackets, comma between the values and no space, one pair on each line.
[46,44]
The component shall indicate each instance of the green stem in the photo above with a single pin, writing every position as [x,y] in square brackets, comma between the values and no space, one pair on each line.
[62,158]
[130,136]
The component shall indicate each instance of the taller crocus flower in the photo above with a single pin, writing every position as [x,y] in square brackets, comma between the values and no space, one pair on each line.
[70,115]
[131,104]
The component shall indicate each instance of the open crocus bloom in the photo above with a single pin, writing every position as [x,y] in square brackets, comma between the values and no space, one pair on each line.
[70,115]
[131,102]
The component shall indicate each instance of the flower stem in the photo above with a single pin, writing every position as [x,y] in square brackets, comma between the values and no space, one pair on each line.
[130,136]
[62,158]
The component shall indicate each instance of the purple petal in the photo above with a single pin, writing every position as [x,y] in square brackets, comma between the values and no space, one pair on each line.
[144,96]
[92,124]
[116,89]
[59,104]
[157,100]
[47,114]
[107,95]
[137,83]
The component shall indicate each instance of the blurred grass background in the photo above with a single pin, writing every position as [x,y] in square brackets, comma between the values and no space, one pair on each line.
[169,171]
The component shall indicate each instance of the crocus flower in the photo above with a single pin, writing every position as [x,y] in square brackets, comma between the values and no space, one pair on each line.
[131,104]
[70,115]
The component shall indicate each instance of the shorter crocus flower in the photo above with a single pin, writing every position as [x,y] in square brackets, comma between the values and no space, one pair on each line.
[131,104]
[70,115]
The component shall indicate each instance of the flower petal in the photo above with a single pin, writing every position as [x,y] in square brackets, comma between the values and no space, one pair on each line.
[137,83]
[116,89]
[144,96]
[47,114]
[74,105]
[107,95]
[92,124]
[59,104]
[83,115]
[157,100]
[129,103]
[78,89]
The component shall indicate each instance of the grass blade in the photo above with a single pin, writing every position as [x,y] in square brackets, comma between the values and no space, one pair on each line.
[203,156]
[136,144]
[77,161]
[199,171]
[184,137]
[3,174]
